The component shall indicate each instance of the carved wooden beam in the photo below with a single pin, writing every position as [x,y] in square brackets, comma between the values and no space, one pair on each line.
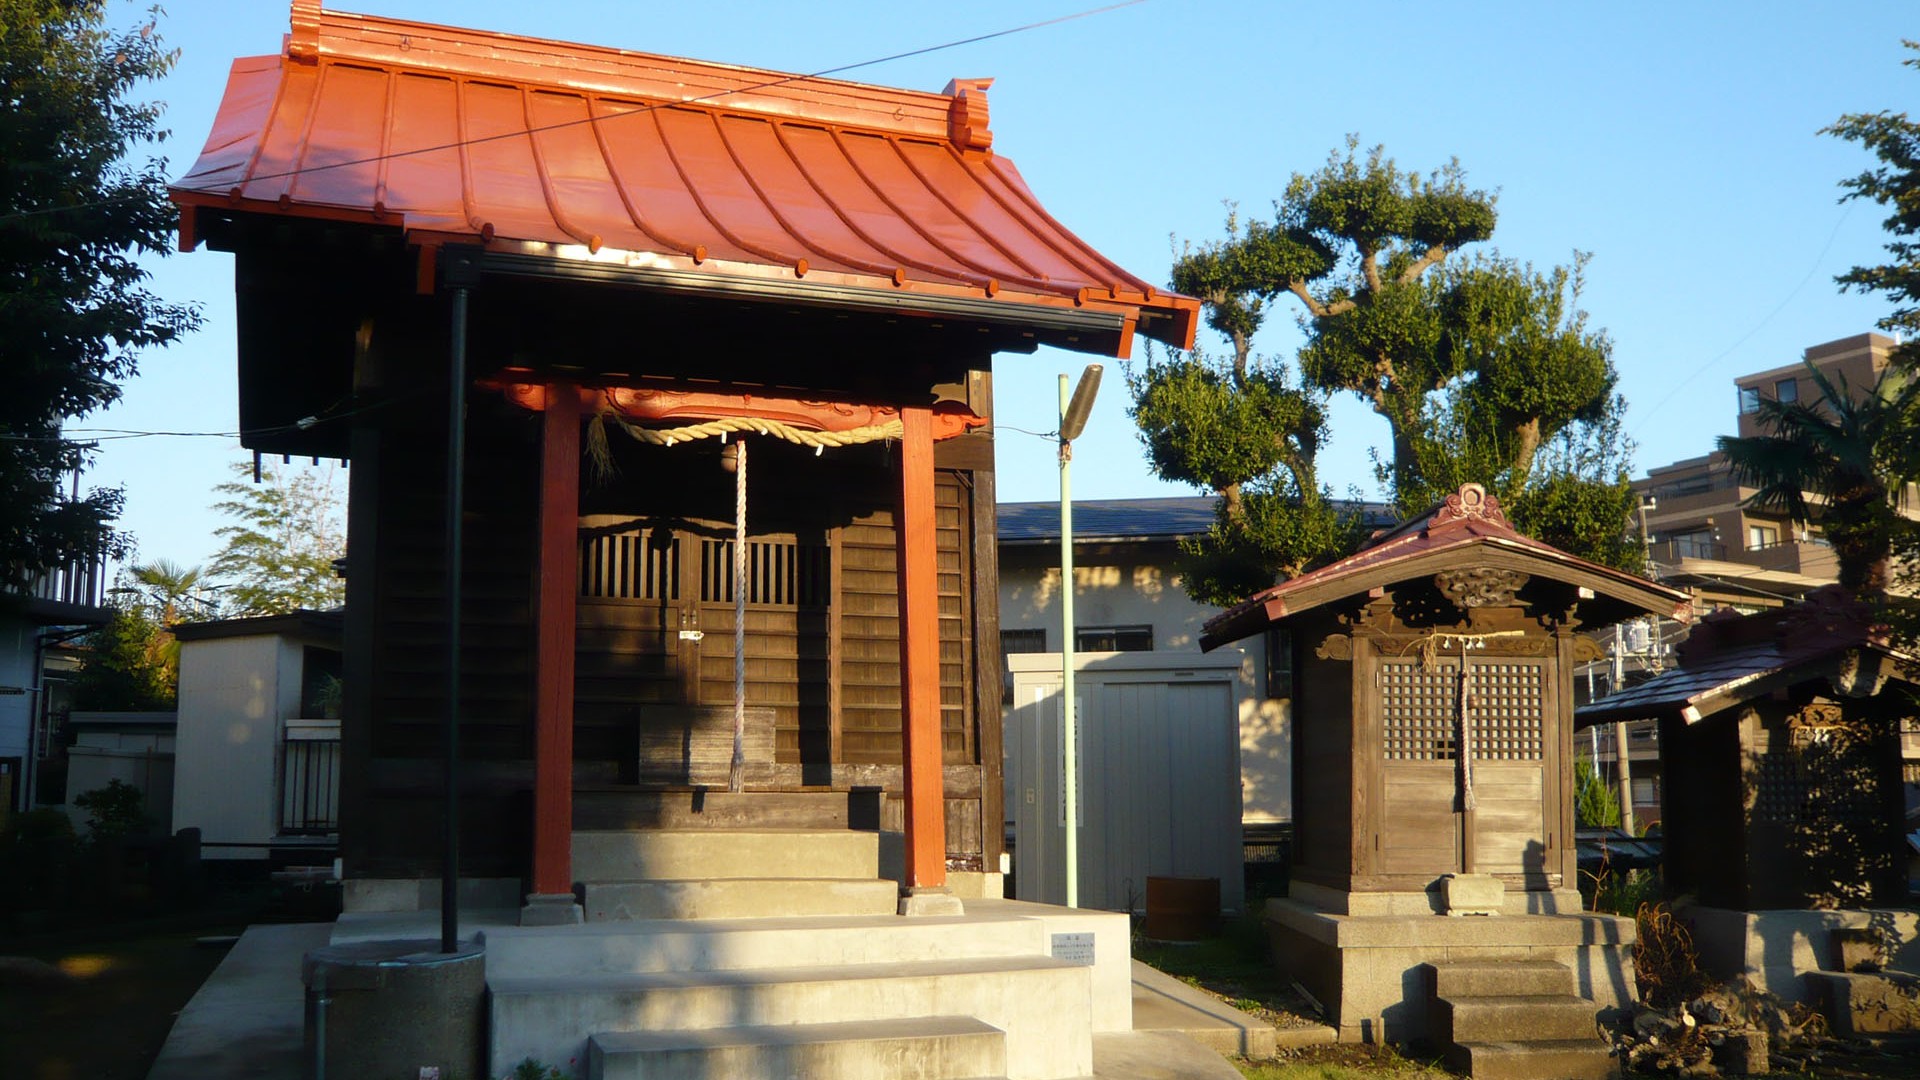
[676,403]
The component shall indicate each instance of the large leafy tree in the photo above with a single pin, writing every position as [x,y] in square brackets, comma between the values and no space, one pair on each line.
[277,553]
[1895,184]
[1483,368]
[78,204]
[1237,425]
[1833,460]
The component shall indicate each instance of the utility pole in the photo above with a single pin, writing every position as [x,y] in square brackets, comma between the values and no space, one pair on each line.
[1073,419]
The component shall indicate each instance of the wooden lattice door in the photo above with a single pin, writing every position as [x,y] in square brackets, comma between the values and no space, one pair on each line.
[1428,825]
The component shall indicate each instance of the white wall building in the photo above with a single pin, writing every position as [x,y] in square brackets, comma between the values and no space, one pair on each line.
[257,762]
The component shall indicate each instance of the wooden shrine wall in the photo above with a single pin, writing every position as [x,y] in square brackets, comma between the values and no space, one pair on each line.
[1322,760]
[656,560]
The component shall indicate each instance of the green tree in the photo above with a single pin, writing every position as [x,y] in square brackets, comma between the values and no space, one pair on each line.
[277,555]
[1595,804]
[78,204]
[126,666]
[1237,426]
[1895,184]
[1838,460]
[1484,370]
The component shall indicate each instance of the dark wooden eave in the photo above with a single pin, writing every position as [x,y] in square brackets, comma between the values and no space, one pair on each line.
[1444,539]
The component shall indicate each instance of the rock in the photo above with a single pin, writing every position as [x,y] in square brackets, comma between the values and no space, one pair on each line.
[1742,1053]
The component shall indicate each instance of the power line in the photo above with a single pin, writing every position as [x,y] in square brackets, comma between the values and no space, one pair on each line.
[638,111]
[1744,338]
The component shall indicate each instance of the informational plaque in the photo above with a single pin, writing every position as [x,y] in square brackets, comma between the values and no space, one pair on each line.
[1074,948]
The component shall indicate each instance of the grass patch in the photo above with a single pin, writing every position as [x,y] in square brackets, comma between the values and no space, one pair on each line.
[108,1011]
[1341,1062]
[1235,968]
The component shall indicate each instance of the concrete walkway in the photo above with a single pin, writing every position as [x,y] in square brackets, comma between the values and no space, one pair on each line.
[247,1021]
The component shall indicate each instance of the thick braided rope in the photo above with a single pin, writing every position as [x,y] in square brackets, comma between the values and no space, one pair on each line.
[892,429]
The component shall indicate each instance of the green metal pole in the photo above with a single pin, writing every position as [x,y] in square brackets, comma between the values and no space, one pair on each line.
[1069,753]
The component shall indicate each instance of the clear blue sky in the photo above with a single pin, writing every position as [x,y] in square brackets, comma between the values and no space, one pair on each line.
[1676,142]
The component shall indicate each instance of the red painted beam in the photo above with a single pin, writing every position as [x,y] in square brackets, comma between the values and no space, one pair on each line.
[553,648]
[926,840]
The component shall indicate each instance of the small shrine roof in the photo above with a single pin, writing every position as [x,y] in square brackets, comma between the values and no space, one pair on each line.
[1468,526]
[1730,659]
[621,158]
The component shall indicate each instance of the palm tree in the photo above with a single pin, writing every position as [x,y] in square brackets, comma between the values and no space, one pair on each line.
[169,588]
[1842,460]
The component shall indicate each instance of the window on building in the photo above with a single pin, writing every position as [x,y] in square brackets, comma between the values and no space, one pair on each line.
[1762,536]
[1113,638]
[1017,641]
[1749,400]
[1645,791]
[1280,663]
[1786,391]
[1695,544]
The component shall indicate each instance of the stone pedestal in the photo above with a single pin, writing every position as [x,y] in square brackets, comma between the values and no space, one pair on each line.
[390,1008]
[1367,970]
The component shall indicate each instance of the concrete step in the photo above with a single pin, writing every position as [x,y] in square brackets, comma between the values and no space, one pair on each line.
[739,898]
[710,854]
[1043,1006]
[1486,978]
[929,1048]
[1569,1059]
[732,944]
[610,806]
[1514,1018]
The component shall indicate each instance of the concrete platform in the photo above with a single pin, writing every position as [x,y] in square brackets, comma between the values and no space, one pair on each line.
[247,1021]
[1368,969]
[1164,1003]
[248,1018]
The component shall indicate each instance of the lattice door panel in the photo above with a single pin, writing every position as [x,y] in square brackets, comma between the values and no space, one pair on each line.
[638,564]
[1418,710]
[1505,701]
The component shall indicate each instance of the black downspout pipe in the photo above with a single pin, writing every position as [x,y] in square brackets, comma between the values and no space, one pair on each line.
[456,490]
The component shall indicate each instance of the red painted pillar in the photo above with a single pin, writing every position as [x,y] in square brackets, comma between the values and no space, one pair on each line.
[926,839]
[553,649]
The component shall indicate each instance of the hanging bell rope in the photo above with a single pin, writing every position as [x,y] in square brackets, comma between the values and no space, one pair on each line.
[1430,647]
[736,771]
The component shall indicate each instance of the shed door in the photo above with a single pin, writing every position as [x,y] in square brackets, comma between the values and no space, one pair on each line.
[1424,827]
[1159,780]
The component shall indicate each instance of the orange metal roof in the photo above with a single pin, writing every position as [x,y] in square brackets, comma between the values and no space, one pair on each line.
[471,136]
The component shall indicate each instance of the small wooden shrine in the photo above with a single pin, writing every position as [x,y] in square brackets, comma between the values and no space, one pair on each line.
[1432,721]
[587,268]
[1780,757]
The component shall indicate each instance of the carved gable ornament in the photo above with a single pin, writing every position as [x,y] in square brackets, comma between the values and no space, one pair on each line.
[1479,586]
[1470,503]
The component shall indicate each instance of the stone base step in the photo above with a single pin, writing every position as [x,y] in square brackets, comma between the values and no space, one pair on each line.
[1570,1059]
[710,854]
[1489,978]
[733,944]
[1508,1018]
[625,807]
[739,898]
[929,1048]
[1042,1005]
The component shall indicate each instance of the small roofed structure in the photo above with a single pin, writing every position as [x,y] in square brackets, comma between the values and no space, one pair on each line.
[1433,759]
[689,680]
[1781,758]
